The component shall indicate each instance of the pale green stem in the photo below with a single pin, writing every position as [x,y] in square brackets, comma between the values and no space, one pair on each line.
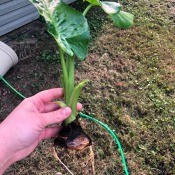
[68,82]
[70,64]
[65,75]
[71,68]
[87,9]
[74,100]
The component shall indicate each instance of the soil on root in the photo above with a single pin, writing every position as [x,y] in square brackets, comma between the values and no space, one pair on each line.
[73,137]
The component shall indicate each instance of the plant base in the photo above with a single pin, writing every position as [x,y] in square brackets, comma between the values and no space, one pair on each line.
[73,137]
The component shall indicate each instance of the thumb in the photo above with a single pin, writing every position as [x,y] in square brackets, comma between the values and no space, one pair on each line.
[56,116]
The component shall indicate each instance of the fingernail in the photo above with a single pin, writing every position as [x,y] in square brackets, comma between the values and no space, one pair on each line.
[66,111]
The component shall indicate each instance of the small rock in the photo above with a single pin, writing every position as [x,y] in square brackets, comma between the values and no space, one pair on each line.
[58,173]
[120,84]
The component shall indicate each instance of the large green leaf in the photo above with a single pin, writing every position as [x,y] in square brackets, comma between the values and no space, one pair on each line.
[68,26]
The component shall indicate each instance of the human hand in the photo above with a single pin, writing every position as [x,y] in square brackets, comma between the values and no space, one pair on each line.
[29,123]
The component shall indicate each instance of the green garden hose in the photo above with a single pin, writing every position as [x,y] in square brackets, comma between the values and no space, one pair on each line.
[114,137]
[22,96]
[106,127]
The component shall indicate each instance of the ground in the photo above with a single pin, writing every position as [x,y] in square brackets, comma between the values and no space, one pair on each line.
[132,89]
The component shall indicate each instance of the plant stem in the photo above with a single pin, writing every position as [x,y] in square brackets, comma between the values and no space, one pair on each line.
[70,70]
[68,82]
[74,100]
[70,63]
[65,75]
[87,9]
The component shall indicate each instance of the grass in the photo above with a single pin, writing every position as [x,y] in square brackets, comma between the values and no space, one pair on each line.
[140,90]
[132,89]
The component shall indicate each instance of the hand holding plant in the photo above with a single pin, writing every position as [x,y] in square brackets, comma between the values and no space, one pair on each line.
[29,124]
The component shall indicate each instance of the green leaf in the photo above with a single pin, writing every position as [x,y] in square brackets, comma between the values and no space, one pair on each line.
[123,19]
[120,18]
[68,26]
[110,7]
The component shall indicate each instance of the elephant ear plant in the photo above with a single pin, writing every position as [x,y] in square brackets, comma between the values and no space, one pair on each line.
[71,32]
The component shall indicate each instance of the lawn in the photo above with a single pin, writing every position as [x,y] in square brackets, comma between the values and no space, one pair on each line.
[132,89]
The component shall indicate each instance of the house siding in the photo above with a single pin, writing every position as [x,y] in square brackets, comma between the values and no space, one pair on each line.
[16,13]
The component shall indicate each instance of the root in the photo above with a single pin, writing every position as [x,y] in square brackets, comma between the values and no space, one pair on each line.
[59,160]
[92,159]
